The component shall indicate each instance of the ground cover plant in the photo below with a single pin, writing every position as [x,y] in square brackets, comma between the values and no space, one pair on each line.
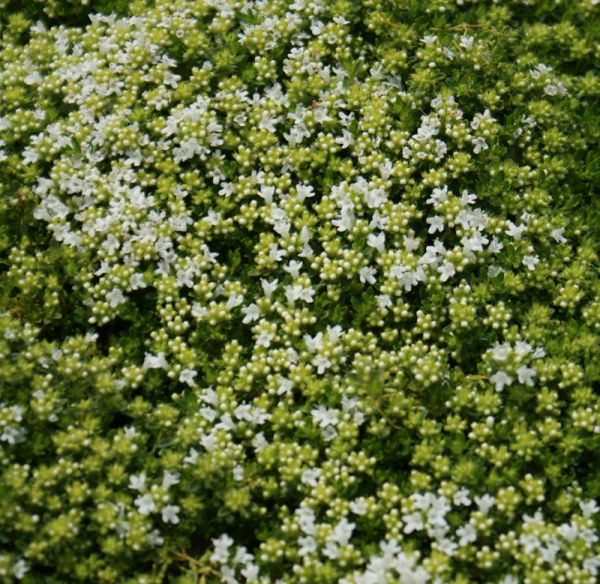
[299,291]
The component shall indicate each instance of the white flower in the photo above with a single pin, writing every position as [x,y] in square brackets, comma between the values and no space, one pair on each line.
[345,221]
[145,504]
[367,274]
[226,189]
[221,549]
[264,339]
[179,192]
[293,268]
[557,235]
[529,542]
[307,294]
[115,297]
[358,507]
[523,348]
[446,271]
[436,223]
[137,281]
[531,261]
[431,256]
[466,42]
[345,140]
[540,69]
[306,520]
[305,191]
[267,192]
[275,253]
[411,243]
[259,442]
[410,279]
[412,522]
[170,479]
[513,231]
[329,433]
[548,553]
[461,497]
[500,352]
[185,277]
[187,376]
[154,539]
[467,534]
[169,513]
[346,119]
[589,536]
[314,343]
[307,545]
[589,508]
[321,363]
[386,168]
[334,333]
[376,241]
[501,380]
[375,198]
[130,432]
[495,246]
[569,532]
[446,546]
[292,293]
[20,568]
[251,313]
[268,123]
[285,386]
[208,413]
[324,416]
[477,119]
[479,144]
[234,300]
[30,155]
[526,375]
[475,242]
[155,361]
[383,301]
[199,311]
[342,532]
[438,196]
[180,222]
[485,503]
[269,287]
[311,476]
[137,482]
[316,27]
[592,565]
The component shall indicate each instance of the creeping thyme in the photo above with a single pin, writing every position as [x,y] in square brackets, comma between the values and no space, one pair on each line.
[299,291]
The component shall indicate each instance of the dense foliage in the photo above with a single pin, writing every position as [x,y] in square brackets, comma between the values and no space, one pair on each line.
[299,291]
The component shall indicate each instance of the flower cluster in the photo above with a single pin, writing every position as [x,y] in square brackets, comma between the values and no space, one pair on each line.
[299,291]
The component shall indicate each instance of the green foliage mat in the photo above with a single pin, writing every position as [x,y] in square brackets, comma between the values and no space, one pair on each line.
[299,291]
